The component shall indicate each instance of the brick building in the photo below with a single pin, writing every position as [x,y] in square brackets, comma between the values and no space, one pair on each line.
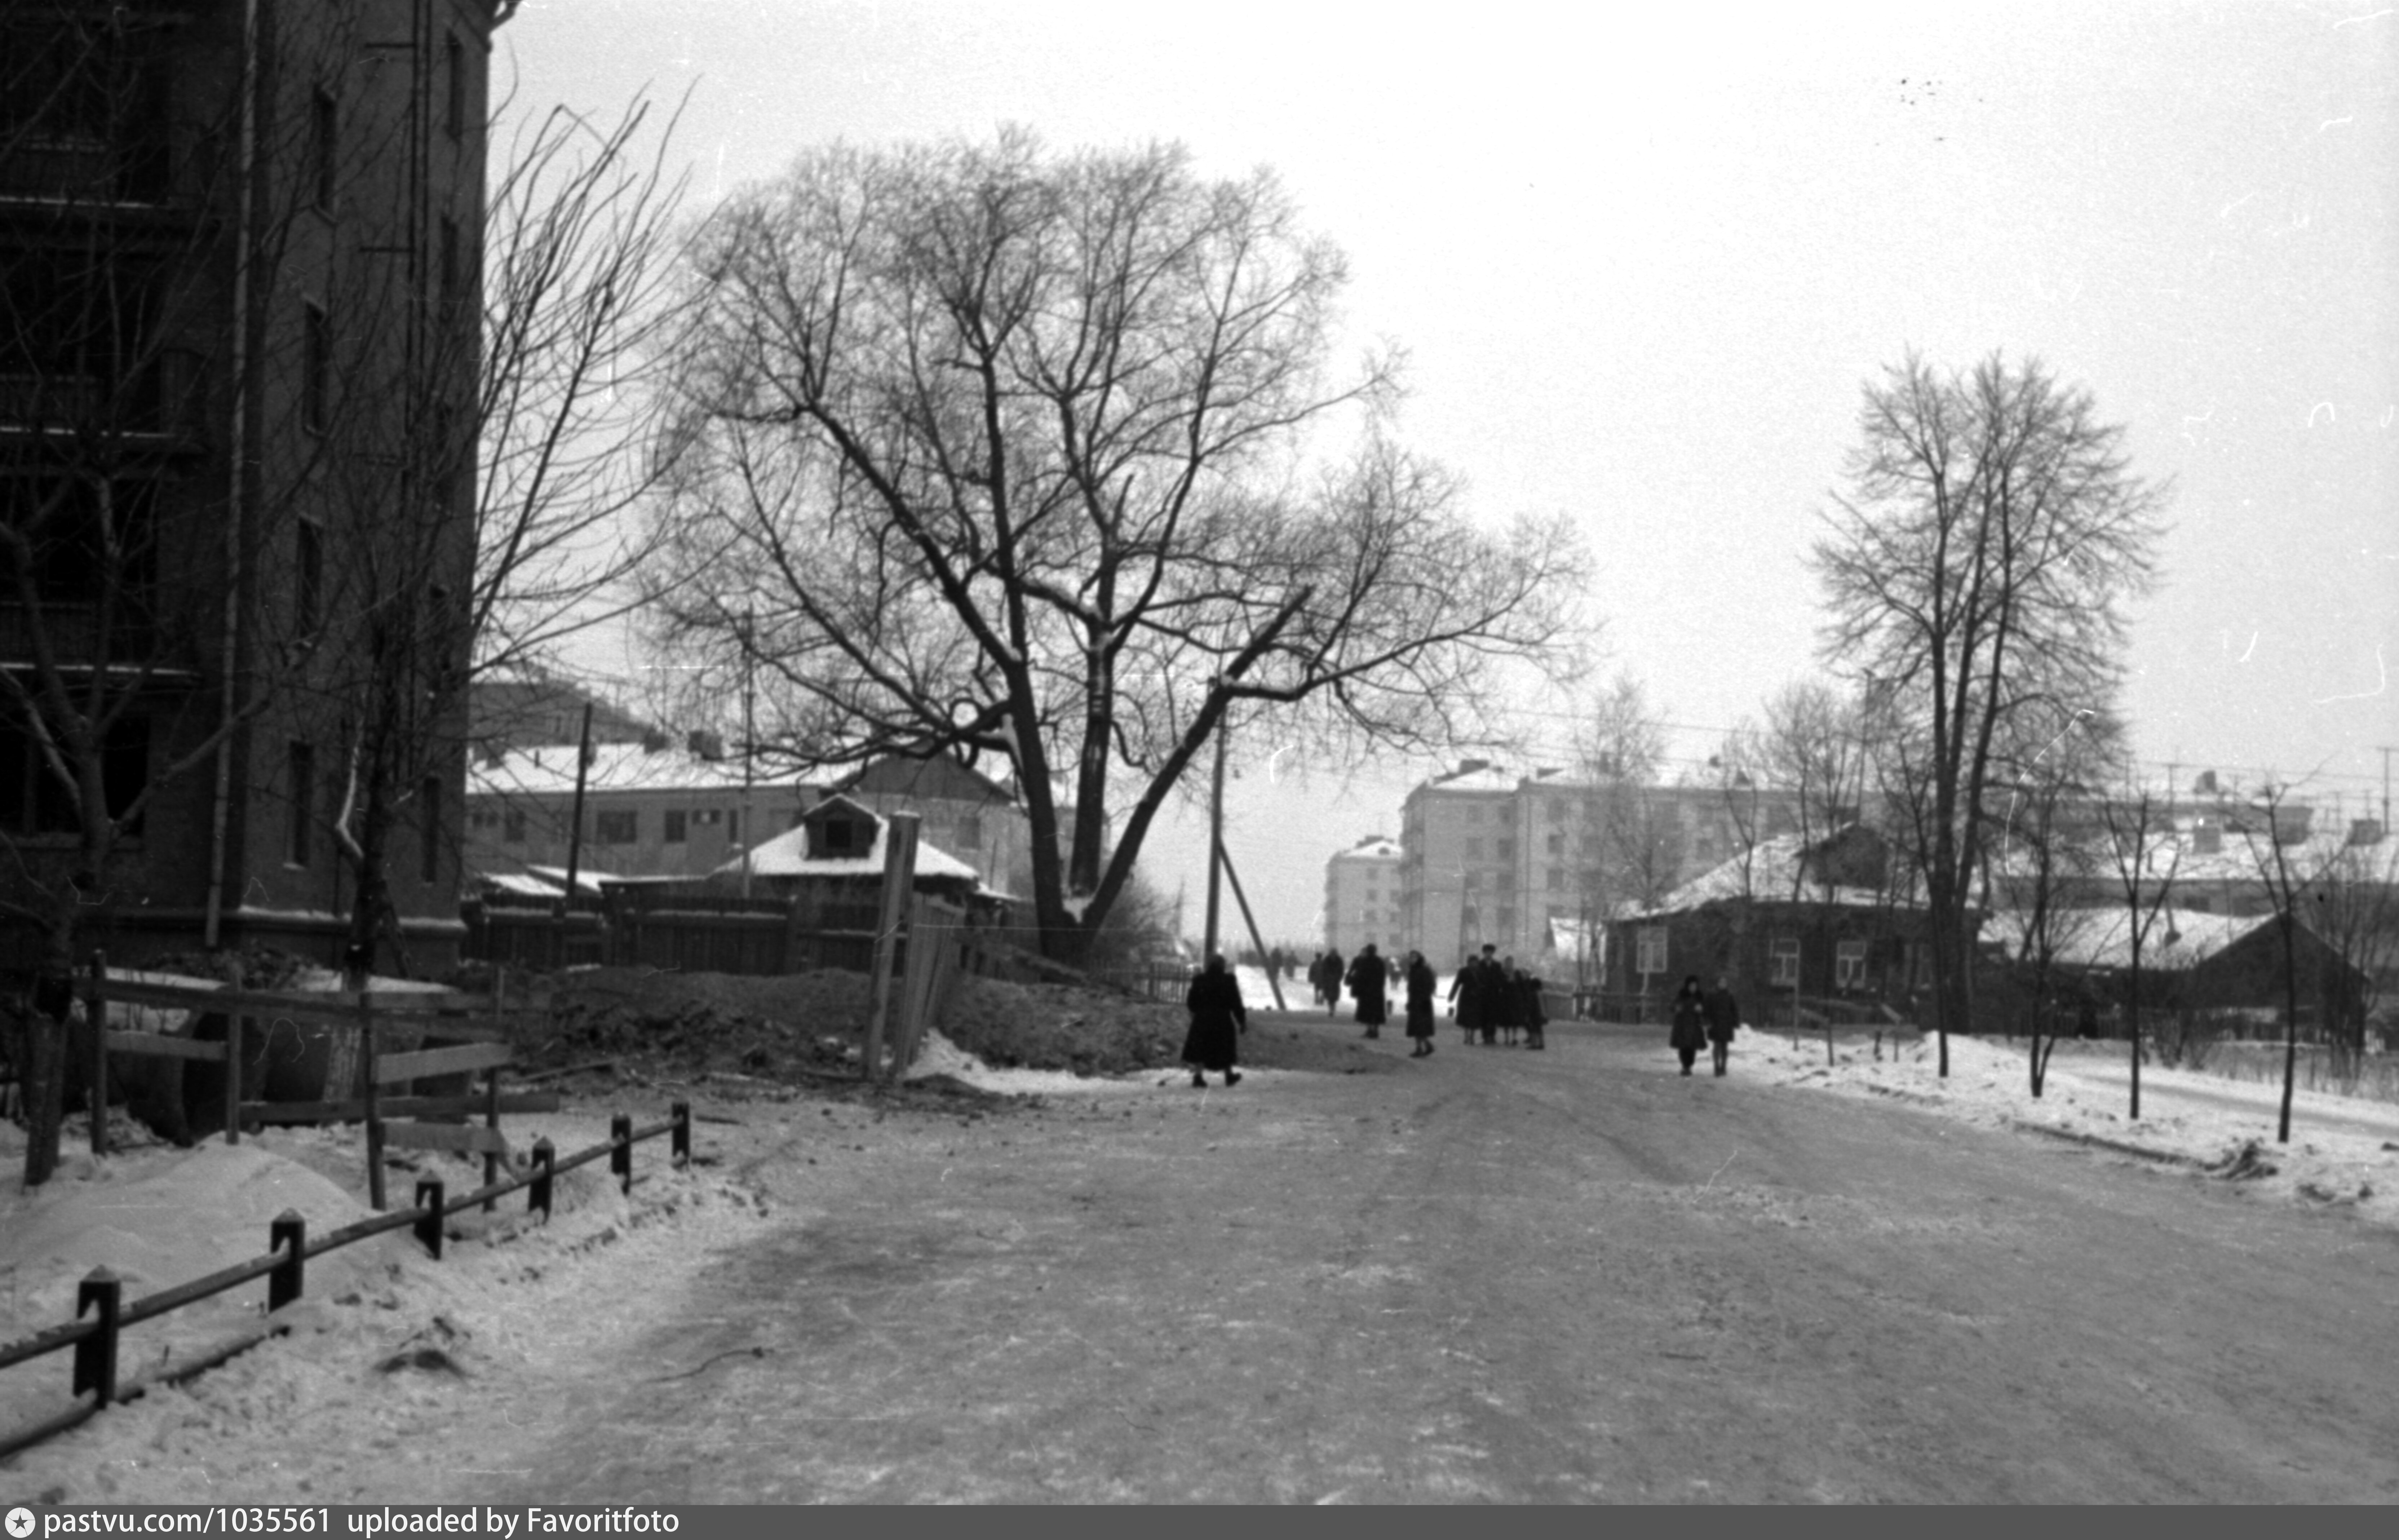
[238,249]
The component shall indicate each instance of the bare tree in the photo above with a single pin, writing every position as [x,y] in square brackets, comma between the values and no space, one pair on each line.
[2284,875]
[1979,564]
[2143,856]
[2040,861]
[1814,745]
[998,452]
[499,487]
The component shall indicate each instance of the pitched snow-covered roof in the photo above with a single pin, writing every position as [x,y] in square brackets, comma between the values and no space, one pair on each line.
[548,770]
[1768,870]
[2177,938]
[787,856]
[1374,847]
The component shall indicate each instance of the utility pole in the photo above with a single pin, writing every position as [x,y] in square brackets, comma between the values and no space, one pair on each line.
[1216,843]
[2387,751]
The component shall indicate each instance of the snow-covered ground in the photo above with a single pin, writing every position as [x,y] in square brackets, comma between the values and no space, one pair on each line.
[354,1358]
[2344,1151]
[512,1294]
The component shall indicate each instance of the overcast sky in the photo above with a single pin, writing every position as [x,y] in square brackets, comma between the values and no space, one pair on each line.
[1642,259]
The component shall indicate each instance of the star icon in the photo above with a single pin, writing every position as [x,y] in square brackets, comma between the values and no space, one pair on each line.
[20,1522]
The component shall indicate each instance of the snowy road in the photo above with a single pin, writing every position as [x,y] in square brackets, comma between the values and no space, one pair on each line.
[1494,1275]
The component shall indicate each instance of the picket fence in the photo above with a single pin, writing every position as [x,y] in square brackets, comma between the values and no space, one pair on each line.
[101,1313]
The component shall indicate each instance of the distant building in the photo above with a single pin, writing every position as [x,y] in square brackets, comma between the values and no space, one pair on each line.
[525,707]
[657,809]
[1519,862]
[1361,898]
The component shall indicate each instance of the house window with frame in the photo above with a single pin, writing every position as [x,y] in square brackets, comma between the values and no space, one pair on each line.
[308,575]
[300,785]
[1850,965]
[1473,849]
[324,127]
[1783,960]
[620,827]
[428,829]
[676,830]
[512,826]
[454,60]
[316,366]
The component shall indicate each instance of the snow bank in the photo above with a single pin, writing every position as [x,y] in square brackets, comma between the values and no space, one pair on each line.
[506,1291]
[2343,1152]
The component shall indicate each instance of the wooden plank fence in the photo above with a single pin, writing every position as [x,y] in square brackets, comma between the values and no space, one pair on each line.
[95,1341]
[359,1023]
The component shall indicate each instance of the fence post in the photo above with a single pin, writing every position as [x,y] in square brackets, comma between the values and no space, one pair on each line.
[620,1153]
[430,1216]
[375,1110]
[289,1235]
[101,1293]
[681,1138]
[96,1016]
[545,1160]
[492,1077]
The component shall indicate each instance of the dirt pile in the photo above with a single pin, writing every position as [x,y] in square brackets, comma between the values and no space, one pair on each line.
[682,1024]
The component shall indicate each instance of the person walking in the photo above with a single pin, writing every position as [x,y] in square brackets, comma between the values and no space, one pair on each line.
[1492,986]
[1528,1006]
[1334,971]
[1510,1014]
[1690,1029]
[1419,977]
[1367,984]
[1466,996]
[1724,1019]
[1217,1021]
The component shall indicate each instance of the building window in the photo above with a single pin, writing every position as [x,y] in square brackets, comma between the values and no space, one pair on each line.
[1473,849]
[1507,850]
[308,575]
[675,834]
[300,776]
[428,829]
[1783,958]
[316,366]
[733,827]
[34,802]
[450,267]
[453,59]
[618,827]
[512,826]
[1557,845]
[324,123]
[1474,812]
[1850,965]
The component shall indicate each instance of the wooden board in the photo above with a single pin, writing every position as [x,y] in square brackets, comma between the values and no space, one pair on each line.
[395,1106]
[445,1136]
[342,1007]
[392,1068]
[151,1045]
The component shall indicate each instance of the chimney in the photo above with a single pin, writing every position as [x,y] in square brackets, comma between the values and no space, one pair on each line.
[1468,767]
[2364,832]
[707,745]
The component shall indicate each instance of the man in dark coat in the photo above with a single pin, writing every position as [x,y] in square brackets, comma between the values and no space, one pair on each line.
[1334,973]
[1367,984]
[1724,1017]
[1217,1021]
[1419,977]
[1492,983]
[1466,995]
[1689,1032]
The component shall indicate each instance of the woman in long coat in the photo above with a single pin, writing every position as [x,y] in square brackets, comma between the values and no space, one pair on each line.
[1690,1030]
[1217,1021]
[1420,1004]
[1466,991]
[1499,1003]
[1367,983]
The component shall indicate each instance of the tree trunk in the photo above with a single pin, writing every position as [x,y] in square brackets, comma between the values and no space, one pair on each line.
[45,1052]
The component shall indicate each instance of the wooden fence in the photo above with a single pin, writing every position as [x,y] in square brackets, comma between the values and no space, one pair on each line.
[99,1295]
[442,1038]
